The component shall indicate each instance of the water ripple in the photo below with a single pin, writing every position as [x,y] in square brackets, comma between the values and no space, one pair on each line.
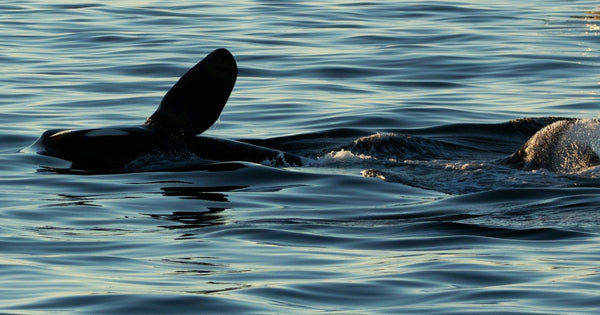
[451,229]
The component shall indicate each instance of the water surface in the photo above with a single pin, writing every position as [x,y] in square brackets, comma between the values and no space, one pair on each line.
[418,216]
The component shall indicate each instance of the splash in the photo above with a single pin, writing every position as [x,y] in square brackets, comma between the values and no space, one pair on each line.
[277,161]
[341,156]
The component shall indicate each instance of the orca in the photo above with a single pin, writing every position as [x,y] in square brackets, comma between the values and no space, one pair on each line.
[189,108]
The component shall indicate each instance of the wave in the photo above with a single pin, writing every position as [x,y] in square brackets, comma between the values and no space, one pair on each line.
[464,158]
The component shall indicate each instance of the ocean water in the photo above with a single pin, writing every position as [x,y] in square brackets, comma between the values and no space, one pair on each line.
[405,111]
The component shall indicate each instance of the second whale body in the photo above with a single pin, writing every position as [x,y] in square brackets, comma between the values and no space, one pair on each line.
[566,145]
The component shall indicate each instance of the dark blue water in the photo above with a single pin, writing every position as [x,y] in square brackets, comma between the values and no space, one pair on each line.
[405,108]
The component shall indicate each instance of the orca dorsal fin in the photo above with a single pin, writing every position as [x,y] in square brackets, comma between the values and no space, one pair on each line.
[195,102]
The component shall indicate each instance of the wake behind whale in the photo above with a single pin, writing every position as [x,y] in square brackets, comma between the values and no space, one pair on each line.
[196,101]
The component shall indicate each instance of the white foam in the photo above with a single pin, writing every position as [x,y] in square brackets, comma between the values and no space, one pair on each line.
[342,156]
[106,132]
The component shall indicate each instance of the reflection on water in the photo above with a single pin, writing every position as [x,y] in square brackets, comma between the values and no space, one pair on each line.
[200,218]
[203,193]
[590,17]
[190,219]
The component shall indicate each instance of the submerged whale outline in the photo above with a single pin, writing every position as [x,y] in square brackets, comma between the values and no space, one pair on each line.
[195,102]
[189,108]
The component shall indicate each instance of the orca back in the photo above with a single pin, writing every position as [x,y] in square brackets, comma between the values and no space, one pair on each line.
[108,149]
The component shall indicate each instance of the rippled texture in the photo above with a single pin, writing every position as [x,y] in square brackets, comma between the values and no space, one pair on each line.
[404,108]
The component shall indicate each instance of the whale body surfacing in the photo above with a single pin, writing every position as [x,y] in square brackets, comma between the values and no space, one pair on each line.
[567,145]
[189,108]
